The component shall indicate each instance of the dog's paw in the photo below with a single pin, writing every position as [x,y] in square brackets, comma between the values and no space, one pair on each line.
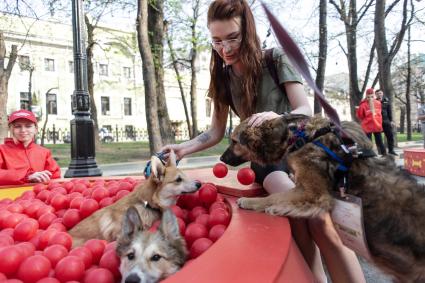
[250,203]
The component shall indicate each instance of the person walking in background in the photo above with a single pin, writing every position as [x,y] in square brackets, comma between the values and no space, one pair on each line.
[421,118]
[387,120]
[21,160]
[369,113]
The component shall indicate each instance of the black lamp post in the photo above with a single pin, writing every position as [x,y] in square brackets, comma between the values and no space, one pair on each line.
[83,161]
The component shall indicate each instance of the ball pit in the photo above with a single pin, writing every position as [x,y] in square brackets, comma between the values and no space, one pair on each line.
[215,257]
[33,229]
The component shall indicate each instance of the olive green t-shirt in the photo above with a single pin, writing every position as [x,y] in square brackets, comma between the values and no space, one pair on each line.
[269,96]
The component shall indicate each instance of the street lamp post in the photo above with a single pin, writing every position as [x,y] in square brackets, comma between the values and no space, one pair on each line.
[83,161]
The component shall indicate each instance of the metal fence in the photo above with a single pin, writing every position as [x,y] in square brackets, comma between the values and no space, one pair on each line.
[55,135]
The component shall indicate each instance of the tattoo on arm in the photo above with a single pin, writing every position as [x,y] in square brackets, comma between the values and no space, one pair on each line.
[203,138]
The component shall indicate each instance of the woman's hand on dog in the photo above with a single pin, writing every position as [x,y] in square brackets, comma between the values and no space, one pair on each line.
[177,148]
[259,118]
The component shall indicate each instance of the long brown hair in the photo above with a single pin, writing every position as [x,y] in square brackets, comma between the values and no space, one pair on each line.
[249,53]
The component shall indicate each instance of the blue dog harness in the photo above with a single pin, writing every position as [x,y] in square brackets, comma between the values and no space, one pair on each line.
[300,139]
[148,168]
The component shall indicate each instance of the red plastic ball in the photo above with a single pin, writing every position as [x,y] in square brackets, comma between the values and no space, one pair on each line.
[83,253]
[199,247]
[111,262]
[218,216]
[34,268]
[195,231]
[88,206]
[11,258]
[25,230]
[55,253]
[220,170]
[208,194]
[96,247]
[70,268]
[71,218]
[99,275]
[246,176]
[216,232]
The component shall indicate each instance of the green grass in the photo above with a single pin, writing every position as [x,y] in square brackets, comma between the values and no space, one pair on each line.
[137,151]
[123,152]
[403,137]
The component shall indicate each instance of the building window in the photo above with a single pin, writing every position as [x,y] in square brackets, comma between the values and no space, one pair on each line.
[25,100]
[24,62]
[127,106]
[127,72]
[49,65]
[71,66]
[103,69]
[52,104]
[208,107]
[129,131]
[105,105]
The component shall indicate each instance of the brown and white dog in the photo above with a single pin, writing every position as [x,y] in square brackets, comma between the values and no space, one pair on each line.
[393,202]
[157,193]
[148,257]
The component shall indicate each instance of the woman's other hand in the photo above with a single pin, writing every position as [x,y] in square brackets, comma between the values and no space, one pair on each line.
[259,118]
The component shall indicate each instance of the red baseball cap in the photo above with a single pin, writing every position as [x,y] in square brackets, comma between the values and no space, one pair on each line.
[370,91]
[22,114]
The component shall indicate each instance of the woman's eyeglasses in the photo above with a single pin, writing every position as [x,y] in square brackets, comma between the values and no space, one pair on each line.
[229,43]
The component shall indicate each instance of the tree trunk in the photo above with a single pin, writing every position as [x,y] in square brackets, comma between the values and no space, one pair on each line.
[351,34]
[385,57]
[179,80]
[402,118]
[151,103]
[408,83]
[323,47]
[156,36]
[193,60]
[90,75]
[5,73]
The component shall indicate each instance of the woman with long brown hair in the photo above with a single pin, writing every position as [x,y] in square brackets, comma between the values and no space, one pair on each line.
[242,80]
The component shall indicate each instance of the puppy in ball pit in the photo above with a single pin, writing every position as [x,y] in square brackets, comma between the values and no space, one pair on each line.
[151,198]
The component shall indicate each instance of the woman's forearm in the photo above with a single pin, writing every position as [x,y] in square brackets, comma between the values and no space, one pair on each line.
[205,140]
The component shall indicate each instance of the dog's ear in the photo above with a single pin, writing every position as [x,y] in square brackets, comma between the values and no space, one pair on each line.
[169,226]
[172,159]
[131,223]
[157,168]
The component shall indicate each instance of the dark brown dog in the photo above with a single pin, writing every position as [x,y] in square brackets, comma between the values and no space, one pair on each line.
[393,202]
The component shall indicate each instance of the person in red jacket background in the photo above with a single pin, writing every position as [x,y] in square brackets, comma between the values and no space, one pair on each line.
[370,116]
[21,160]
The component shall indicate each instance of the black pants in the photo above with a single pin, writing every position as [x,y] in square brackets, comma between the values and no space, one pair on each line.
[388,131]
[379,144]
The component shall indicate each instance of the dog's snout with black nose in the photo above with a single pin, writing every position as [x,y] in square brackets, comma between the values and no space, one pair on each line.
[231,159]
[198,184]
[132,278]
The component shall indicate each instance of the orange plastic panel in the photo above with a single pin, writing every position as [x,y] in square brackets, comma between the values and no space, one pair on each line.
[414,161]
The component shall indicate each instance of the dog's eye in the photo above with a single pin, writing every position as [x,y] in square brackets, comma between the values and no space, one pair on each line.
[130,256]
[155,257]
[179,179]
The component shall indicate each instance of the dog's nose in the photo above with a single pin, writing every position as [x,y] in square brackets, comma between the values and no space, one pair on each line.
[198,184]
[132,278]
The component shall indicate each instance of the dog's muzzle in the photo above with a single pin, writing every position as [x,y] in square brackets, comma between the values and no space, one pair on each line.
[231,159]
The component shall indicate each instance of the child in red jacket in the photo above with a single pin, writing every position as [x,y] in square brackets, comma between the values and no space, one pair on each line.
[21,160]
[369,113]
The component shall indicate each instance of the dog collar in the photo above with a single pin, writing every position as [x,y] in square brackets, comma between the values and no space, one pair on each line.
[148,206]
[148,168]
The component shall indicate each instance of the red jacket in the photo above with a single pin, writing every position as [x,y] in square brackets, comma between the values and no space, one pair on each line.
[370,123]
[17,162]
